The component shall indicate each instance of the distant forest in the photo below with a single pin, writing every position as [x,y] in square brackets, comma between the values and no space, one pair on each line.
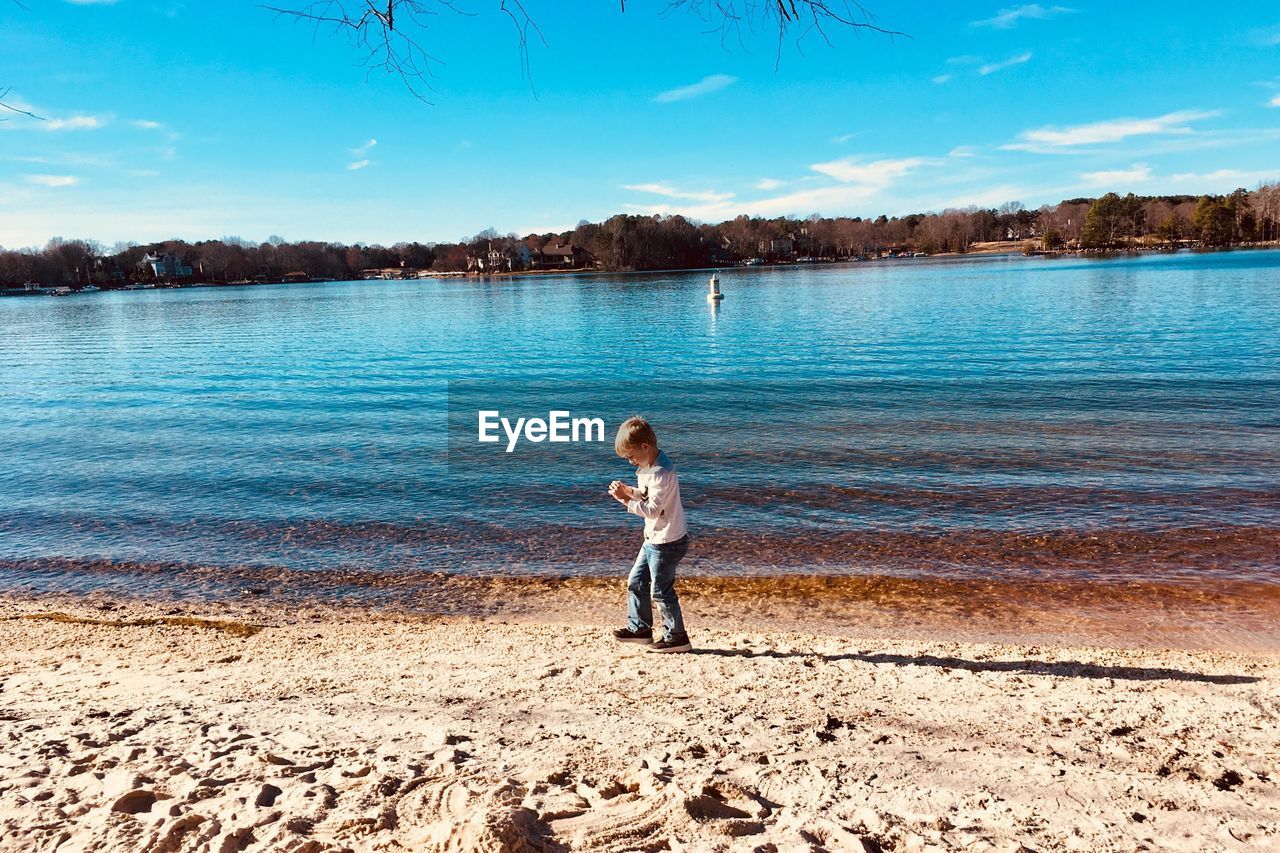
[631,242]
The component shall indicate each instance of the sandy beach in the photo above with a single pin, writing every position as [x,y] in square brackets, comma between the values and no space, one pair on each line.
[178,727]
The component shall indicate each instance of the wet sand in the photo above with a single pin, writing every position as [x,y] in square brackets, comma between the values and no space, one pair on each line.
[1211,614]
[132,725]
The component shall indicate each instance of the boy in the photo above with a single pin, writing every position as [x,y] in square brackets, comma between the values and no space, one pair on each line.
[656,498]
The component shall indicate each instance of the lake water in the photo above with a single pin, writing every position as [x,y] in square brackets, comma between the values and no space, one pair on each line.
[1009,419]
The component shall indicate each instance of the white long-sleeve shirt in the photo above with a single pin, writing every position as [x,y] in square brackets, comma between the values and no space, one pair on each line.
[658,502]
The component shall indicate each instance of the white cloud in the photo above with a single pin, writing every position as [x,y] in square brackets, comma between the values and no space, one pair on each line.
[833,198]
[54,124]
[1221,176]
[768,184]
[69,159]
[1274,102]
[1007,63]
[844,137]
[669,191]
[1221,180]
[44,122]
[984,68]
[53,180]
[73,123]
[146,124]
[1200,140]
[359,161]
[992,196]
[837,198]
[963,151]
[705,86]
[1052,139]
[858,183]
[841,198]
[1008,18]
[878,174]
[1266,37]
[1140,173]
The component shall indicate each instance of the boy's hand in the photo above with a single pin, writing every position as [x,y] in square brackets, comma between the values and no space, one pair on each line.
[620,491]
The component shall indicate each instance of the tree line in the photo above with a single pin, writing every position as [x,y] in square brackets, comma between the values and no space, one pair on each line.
[1117,222]
[635,242]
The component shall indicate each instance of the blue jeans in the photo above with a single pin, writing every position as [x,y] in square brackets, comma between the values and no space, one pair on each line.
[654,574]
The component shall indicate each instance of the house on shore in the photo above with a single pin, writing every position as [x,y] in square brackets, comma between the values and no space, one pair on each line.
[165,265]
[555,255]
[777,249]
[105,270]
[501,259]
[524,256]
[385,273]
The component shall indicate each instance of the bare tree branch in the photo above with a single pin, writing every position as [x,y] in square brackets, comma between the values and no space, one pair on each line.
[14,109]
[386,32]
[523,23]
[9,89]
[737,18]
[380,36]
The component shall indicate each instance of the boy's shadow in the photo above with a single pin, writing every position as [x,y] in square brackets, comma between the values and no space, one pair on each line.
[1074,669]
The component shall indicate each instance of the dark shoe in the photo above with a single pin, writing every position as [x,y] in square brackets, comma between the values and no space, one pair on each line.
[626,635]
[673,643]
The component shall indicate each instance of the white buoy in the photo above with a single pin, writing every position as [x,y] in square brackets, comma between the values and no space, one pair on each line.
[715,295]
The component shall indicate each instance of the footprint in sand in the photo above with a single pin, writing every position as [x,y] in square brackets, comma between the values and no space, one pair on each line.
[731,810]
[464,813]
[626,822]
[619,818]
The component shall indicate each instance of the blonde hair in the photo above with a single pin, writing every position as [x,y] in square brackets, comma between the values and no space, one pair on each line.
[634,432]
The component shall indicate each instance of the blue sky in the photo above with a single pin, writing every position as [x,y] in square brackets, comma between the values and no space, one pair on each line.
[184,119]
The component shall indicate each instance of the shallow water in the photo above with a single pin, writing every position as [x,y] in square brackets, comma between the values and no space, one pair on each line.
[1009,420]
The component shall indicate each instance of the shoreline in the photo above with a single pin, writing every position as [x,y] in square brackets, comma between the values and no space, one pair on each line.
[313,728]
[1230,616]
[977,251]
